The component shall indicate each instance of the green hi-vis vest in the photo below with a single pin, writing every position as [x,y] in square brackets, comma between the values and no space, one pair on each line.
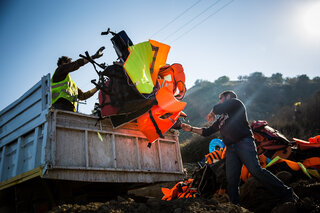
[66,89]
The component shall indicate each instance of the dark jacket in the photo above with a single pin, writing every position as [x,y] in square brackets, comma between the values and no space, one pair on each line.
[232,123]
[60,74]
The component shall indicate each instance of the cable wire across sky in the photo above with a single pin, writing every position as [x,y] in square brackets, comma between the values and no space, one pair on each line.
[192,19]
[165,26]
[201,22]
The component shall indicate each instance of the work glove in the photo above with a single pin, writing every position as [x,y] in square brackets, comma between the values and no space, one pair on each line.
[98,53]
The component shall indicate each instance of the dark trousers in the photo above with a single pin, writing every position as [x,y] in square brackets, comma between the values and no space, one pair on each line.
[245,152]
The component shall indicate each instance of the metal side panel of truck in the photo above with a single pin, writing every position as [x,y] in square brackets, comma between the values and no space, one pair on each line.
[38,141]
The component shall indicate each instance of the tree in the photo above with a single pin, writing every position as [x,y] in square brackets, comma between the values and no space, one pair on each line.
[303,79]
[222,80]
[198,82]
[276,78]
[257,78]
[316,79]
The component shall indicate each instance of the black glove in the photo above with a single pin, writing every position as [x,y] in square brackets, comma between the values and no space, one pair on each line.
[98,53]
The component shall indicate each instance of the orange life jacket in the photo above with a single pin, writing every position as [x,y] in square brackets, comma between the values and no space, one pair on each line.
[156,122]
[313,162]
[160,118]
[295,166]
[180,190]
[315,139]
[215,156]
[174,74]
[310,144]
[166,99]
[160,54]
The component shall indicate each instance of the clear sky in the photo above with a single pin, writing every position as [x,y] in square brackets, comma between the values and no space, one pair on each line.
[210,38]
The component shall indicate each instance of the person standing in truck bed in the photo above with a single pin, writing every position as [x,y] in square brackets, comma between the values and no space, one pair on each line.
[64,91]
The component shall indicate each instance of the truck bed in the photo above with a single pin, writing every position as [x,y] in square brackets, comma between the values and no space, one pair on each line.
[38,141]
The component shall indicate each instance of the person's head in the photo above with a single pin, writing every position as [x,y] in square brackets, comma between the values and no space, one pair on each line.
[64,60]
[226,95]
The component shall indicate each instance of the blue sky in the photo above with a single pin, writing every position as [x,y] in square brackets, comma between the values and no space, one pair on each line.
[213,38]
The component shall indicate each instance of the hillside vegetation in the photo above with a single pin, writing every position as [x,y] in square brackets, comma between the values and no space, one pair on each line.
[274,99]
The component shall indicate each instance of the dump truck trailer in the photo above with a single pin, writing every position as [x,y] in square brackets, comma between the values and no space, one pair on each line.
[48,155]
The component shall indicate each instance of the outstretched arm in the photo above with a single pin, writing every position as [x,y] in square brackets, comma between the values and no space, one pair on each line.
[85,95]
[189,128]
[63,70]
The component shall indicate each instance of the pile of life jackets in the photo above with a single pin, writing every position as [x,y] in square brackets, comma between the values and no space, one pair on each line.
[142,87]
[181,190]
[313,142]
[196,186]
[270,141]
[309,167]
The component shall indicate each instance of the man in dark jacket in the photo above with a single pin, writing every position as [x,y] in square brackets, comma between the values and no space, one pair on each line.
[64,91]
[241,150]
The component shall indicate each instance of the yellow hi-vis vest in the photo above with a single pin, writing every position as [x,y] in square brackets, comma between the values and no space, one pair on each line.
[66,89]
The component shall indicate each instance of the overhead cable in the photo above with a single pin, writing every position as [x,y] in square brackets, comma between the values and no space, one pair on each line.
[192,19]
[199,23]
[165,26]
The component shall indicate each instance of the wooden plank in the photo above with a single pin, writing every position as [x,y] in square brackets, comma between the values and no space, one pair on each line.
[126,154]
[138,153]
[169,158]
[44,143]
[159,154]
[180,164]
[86,151]
[100,152]
[129,134]
[112,169]
[149,156]
[53,137]
[69,148]
[114,151]
[112,176]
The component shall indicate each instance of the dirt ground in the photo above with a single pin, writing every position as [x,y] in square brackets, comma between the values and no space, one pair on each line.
[254,198]
[151,204]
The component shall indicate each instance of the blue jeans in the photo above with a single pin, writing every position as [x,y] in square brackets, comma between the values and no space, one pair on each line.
[245,152]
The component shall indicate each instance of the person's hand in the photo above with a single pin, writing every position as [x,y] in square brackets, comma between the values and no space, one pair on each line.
[186,127]
[98,53]
[211,116]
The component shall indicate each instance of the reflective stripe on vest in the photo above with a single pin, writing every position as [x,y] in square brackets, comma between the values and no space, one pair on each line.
[66,89]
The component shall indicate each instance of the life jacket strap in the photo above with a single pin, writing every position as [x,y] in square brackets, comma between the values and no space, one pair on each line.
[155,125]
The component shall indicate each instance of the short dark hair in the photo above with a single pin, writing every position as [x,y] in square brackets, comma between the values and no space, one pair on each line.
[63,59]
[228,92]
